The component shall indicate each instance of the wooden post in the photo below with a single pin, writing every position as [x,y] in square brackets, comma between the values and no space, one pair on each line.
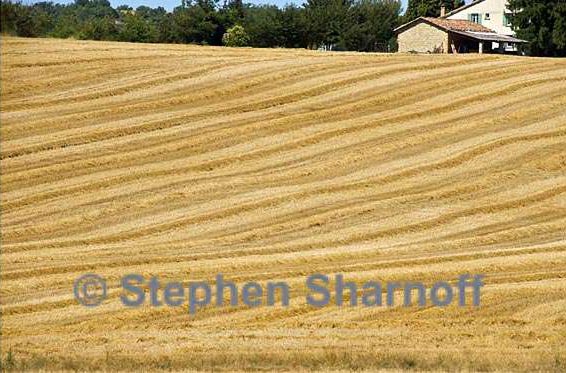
[481,47]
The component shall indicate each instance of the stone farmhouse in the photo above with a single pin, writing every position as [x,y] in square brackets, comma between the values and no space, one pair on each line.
[479,27]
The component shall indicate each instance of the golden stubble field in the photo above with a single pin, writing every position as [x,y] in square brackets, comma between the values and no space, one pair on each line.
[183,162]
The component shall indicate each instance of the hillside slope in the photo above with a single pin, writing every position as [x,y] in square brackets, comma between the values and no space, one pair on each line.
[184,162]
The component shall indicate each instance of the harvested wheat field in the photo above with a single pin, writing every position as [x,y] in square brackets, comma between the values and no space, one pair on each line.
[270,165]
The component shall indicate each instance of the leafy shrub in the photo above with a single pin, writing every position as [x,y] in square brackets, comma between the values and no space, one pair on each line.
[236,36]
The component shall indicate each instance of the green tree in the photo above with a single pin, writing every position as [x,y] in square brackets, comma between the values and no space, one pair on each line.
[194,24]
[236,8]
[95,19]
[88,10]
[364,25]
[542,24]
[372,30]
[165,28]
[294,27]
[236,36]
[429,8]
[29,21]
[137,29]
[8,16]
[25,24]
[264,26]
[223,19]
[327,22]
[99,29]
[66,24]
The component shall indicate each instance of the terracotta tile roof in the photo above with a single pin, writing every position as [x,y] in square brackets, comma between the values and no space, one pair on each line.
[457,25]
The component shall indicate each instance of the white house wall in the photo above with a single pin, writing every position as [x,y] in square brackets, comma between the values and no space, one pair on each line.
[496,10]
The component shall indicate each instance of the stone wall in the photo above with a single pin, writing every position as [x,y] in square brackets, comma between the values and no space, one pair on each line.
[423,38]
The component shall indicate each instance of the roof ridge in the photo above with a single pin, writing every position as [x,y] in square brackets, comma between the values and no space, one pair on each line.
[457,24]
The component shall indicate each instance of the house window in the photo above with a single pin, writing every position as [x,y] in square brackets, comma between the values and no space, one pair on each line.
[475,17]
[487,17]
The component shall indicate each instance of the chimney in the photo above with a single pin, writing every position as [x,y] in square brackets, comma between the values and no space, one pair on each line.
[443,11]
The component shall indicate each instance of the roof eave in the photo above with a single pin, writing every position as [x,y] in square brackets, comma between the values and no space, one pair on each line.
[496,37]
[415,21]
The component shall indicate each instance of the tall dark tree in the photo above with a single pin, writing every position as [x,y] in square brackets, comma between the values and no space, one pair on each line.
[542,24]
[237,9]
[328,21]
[9,13]
[264,25]
[430,8]
[372,30]
[294,27]
[194,24]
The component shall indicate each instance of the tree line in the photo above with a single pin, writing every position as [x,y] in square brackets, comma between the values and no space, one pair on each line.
[361,25]
[356,25]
